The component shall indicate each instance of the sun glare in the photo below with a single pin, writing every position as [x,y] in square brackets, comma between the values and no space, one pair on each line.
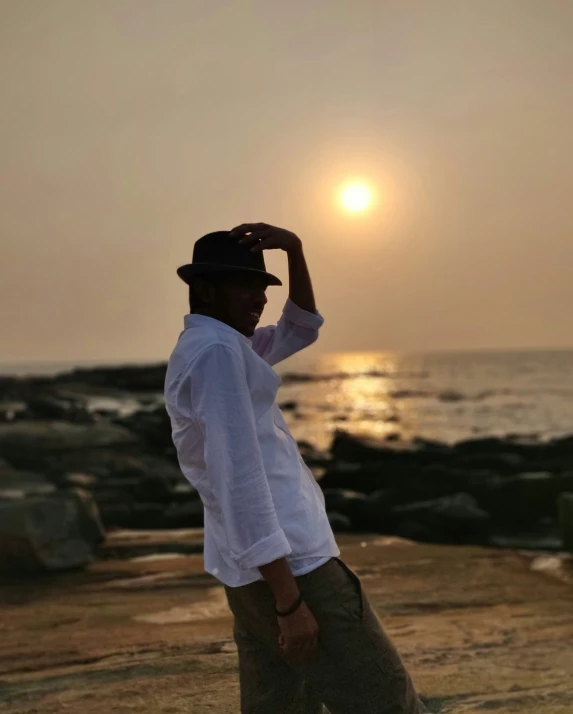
[356,197]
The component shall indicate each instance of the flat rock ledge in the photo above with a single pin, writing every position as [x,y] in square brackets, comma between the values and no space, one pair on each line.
[143,629]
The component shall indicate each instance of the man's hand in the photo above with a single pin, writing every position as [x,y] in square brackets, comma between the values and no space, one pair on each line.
[299,635]
[269,237]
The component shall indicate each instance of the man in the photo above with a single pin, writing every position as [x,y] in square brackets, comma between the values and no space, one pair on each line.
[305,631]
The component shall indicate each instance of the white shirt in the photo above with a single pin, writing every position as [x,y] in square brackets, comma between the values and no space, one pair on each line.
[261,501]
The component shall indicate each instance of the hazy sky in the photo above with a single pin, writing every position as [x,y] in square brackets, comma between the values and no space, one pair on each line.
[129,128]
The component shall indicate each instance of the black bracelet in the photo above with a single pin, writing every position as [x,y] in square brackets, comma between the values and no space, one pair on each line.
[293,608]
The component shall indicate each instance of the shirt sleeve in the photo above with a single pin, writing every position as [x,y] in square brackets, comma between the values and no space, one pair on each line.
[221,400]
[295,330]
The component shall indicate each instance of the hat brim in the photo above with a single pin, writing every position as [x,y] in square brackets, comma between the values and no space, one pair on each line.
[194,270]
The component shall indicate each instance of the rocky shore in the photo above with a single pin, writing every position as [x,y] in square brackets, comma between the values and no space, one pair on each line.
[103,436]
[139,627]
[144,629]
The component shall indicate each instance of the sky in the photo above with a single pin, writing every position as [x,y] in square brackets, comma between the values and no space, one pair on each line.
[129,128]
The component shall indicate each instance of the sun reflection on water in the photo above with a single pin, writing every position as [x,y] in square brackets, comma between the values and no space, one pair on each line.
[355,390]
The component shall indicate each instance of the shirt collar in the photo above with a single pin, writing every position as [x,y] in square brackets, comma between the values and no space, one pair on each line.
[196,320]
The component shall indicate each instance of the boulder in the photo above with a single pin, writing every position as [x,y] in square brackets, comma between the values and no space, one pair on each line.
[524,500]
[364,478]
[565,510]
[353,449]
[153,427]
[183,515]
[49,533]
[31,444]
[351,504]
[50,407]
[451,519]
[338,522]
[16,484]
[135,378]
[78,479]
[311,455]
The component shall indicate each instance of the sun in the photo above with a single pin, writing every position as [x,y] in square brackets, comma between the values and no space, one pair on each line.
[356,197]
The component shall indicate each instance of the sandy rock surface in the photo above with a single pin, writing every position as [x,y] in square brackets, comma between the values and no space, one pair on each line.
[145,630]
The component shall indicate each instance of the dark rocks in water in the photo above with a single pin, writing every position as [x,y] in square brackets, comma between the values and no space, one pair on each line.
[50,408]
[30,444]
[365,514]
[451,519]
[153,427]
[498,461]
[338,522]
[115,514]
[419,482]
[132,378]
[353,449]
[311,455]
[562,446]
[183,515]
[348,503]
[565,518]
[16,484]
[79,480]
[524,500]
[57,532]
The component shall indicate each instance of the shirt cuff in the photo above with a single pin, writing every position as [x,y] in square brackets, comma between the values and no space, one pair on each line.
[303,318]
[265,551]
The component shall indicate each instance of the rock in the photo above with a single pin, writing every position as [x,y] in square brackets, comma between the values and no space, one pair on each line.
[134,378]
[523,500]
[338,522]
[115,515]
[486,445]
[418,481]
[183,515]
[153,427]
[56,532]
[351,504]
[500,462]
[562,446]
[379,517]
[28,444]
[16,484]
[11,410]
[565,510]
[353,449]
[79,480]
[50,407]
[311,455]
[90,523]
[454,519]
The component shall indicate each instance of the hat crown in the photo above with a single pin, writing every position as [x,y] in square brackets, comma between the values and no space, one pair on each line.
[220,248]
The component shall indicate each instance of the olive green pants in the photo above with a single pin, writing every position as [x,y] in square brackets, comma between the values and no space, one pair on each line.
[357,670]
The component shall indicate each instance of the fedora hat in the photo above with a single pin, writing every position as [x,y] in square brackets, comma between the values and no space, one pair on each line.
[219,253]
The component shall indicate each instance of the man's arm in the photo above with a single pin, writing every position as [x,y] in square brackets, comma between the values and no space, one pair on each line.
[299,324]
[300,284]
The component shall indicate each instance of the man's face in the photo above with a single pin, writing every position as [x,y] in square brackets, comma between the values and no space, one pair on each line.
[239,301]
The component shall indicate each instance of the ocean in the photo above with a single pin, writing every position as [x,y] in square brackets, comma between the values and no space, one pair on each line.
[448,397]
